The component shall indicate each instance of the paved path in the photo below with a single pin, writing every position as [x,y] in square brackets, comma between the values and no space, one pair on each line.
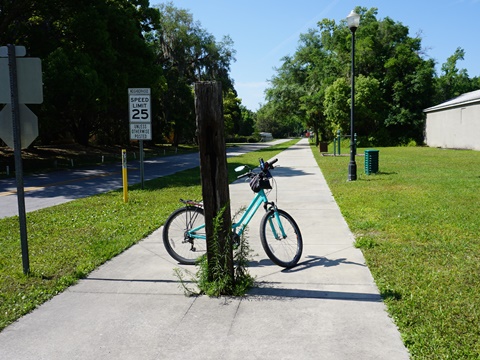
[327,307]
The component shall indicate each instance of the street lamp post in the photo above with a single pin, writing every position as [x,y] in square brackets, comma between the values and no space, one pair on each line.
[353,21]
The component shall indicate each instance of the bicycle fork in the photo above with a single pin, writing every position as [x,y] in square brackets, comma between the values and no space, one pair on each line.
[275,216]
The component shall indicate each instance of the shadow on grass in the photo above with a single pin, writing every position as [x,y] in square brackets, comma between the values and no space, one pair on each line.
[184,178]
[390,295]
[383,173]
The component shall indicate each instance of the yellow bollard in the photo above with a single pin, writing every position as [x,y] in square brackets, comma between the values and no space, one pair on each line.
[124,175]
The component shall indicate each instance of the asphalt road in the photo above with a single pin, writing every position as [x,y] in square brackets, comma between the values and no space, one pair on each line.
[53,188]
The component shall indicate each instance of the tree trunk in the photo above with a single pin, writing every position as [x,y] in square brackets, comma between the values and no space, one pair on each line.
[213,168]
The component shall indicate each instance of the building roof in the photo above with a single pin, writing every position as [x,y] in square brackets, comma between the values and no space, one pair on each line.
[464,99]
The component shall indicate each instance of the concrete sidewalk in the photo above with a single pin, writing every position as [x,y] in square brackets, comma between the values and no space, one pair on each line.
[327,307]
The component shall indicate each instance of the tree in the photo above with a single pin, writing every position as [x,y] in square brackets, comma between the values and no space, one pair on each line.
[320,70]
[337,108]
[187,53]
[70,111]
[453,81]
[370,110]
[92,51]
[282,126]
[394,85]
[247,124]
[232,113]
[15,20]
[282,115]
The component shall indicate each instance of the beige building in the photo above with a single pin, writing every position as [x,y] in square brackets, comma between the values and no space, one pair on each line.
[455,124]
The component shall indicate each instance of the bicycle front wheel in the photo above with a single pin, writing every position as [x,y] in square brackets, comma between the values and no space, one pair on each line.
[184,247]
[281,238]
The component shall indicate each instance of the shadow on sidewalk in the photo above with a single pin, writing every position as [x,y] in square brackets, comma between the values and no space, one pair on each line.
[312,261]
[265,291]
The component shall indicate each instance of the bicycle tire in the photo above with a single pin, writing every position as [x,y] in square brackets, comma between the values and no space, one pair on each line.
[184,249]
[285,252]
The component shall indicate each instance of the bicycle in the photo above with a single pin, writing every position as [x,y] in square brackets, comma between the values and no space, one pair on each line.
[184,231]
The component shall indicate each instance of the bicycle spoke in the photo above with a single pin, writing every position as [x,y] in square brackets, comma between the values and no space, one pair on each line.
[184,247]
[281,238]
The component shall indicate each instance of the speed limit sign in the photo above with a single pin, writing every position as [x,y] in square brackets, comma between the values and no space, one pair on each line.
[140,114]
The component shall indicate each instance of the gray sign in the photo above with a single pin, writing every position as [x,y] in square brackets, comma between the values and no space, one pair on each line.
[29,80]
[28,126]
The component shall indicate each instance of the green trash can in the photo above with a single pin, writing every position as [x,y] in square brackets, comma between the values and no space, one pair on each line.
[371,161]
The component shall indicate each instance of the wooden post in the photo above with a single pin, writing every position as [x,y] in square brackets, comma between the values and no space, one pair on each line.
[213,168]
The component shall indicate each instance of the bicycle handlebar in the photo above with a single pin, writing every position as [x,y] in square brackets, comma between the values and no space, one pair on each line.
[244,175]
[265,166]
[270,164]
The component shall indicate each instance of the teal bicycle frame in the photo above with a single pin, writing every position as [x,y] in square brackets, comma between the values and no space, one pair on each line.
[239,227]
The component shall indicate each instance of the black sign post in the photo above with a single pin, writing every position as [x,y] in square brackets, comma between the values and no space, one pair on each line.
[12,65]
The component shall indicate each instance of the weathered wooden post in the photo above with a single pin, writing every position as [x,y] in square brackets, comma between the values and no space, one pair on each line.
[213,169]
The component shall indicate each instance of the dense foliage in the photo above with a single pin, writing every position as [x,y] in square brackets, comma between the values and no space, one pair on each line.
[394,82]
[92,51]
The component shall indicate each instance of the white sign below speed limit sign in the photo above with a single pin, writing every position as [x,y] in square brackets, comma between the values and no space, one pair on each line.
[140,114]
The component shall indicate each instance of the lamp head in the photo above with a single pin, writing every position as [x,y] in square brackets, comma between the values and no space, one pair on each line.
[353,20]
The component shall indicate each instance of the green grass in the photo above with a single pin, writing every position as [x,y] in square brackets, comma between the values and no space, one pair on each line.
[68,241]
[417,223]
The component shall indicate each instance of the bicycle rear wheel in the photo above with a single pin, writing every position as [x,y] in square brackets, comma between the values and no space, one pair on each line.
[284,250]
[182,247]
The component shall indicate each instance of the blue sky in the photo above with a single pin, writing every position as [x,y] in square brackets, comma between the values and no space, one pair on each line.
[264,31]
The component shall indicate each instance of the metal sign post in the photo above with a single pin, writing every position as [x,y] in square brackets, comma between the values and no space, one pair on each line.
[140,120]
[142,167]
[18,157]
[20,83]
